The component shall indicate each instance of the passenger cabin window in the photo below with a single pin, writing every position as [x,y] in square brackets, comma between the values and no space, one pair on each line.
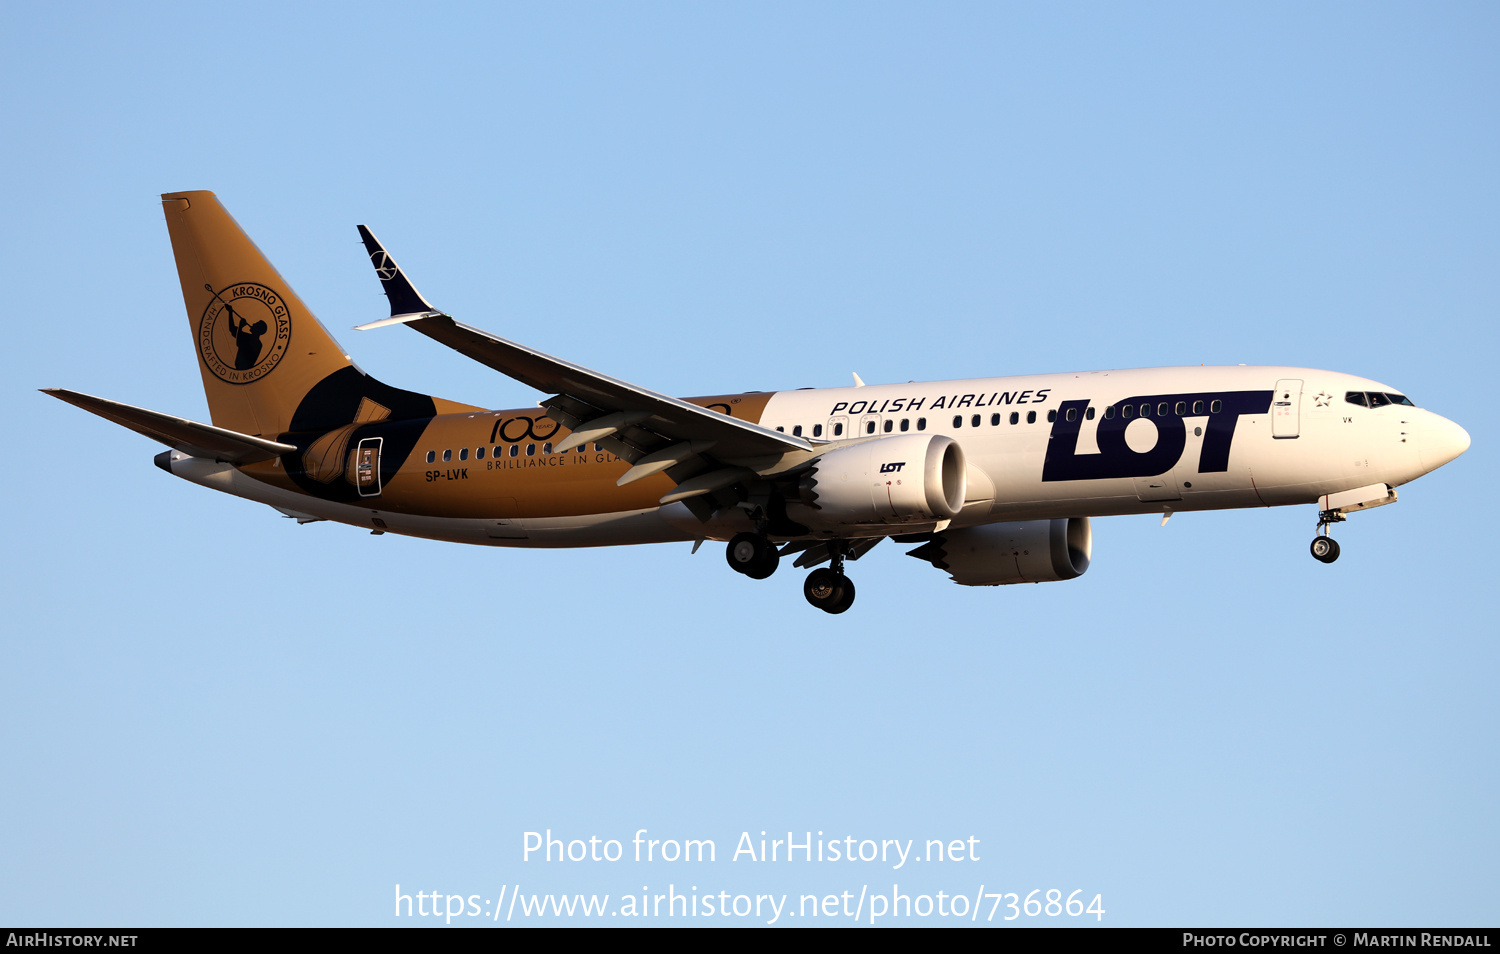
[994,420]
[781,429]
[905,424]
[515,449]
[1072,414]
[1161,409]
[479,454]
[1088,415]
[1197,407]
[958,420]
[1030,417]
[1015,417]
[1181,408]
[431,456]
[495,451]
[1216,407]
[1128,411]
[838,430]
[869,427]
[530,450]
[921,423]
[1051,417]
[547,448]
[447,456]
[817,430]
[889,424]
[796,431]
[1109,413]
[463,453]
[974,421]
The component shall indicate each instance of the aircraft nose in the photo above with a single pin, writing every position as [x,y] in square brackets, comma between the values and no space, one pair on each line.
[1441,441]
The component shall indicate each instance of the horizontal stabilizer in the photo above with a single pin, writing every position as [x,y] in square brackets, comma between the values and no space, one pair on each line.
[190,437]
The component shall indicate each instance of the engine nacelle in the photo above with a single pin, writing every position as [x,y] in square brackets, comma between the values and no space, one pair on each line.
[1031,551]
[913,478]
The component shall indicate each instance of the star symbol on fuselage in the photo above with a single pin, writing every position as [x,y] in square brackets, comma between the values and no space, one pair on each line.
[1323,399]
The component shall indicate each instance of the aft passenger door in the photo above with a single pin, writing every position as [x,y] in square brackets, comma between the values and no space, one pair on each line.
[367,467]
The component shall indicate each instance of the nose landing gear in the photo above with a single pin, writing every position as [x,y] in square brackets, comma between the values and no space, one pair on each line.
[1324,548]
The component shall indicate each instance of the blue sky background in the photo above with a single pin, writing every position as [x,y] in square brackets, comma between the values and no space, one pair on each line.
[210,715]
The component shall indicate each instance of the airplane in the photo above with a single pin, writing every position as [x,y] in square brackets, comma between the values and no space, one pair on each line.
[994,479]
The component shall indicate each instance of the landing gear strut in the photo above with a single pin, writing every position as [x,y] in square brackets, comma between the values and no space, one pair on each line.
[828,588]
[753,555]
[1324,548]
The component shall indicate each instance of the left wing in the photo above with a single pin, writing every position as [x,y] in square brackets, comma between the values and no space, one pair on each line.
[706,453]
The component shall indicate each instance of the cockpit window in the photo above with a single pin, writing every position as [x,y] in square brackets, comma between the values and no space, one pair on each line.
[1377,399]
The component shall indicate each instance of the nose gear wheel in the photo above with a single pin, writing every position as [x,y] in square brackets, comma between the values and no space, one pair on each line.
[1325,549]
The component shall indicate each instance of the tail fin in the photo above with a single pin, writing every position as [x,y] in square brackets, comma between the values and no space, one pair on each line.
[259,347]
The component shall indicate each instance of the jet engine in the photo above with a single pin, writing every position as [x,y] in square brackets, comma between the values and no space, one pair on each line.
[1031,551]
[912,478]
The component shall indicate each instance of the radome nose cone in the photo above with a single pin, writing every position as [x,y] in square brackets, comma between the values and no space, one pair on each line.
[1442,441]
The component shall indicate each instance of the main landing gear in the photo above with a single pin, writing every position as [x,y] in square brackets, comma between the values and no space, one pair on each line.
[827,588]
[1324,548]
[753,555]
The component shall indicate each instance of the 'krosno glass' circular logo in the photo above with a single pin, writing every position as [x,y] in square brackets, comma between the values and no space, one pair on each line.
[244,332]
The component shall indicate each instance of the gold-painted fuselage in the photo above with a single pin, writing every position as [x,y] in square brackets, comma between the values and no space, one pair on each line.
[477,464]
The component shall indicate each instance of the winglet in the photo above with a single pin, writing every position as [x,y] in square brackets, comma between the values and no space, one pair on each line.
[407,304]
[859,382]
